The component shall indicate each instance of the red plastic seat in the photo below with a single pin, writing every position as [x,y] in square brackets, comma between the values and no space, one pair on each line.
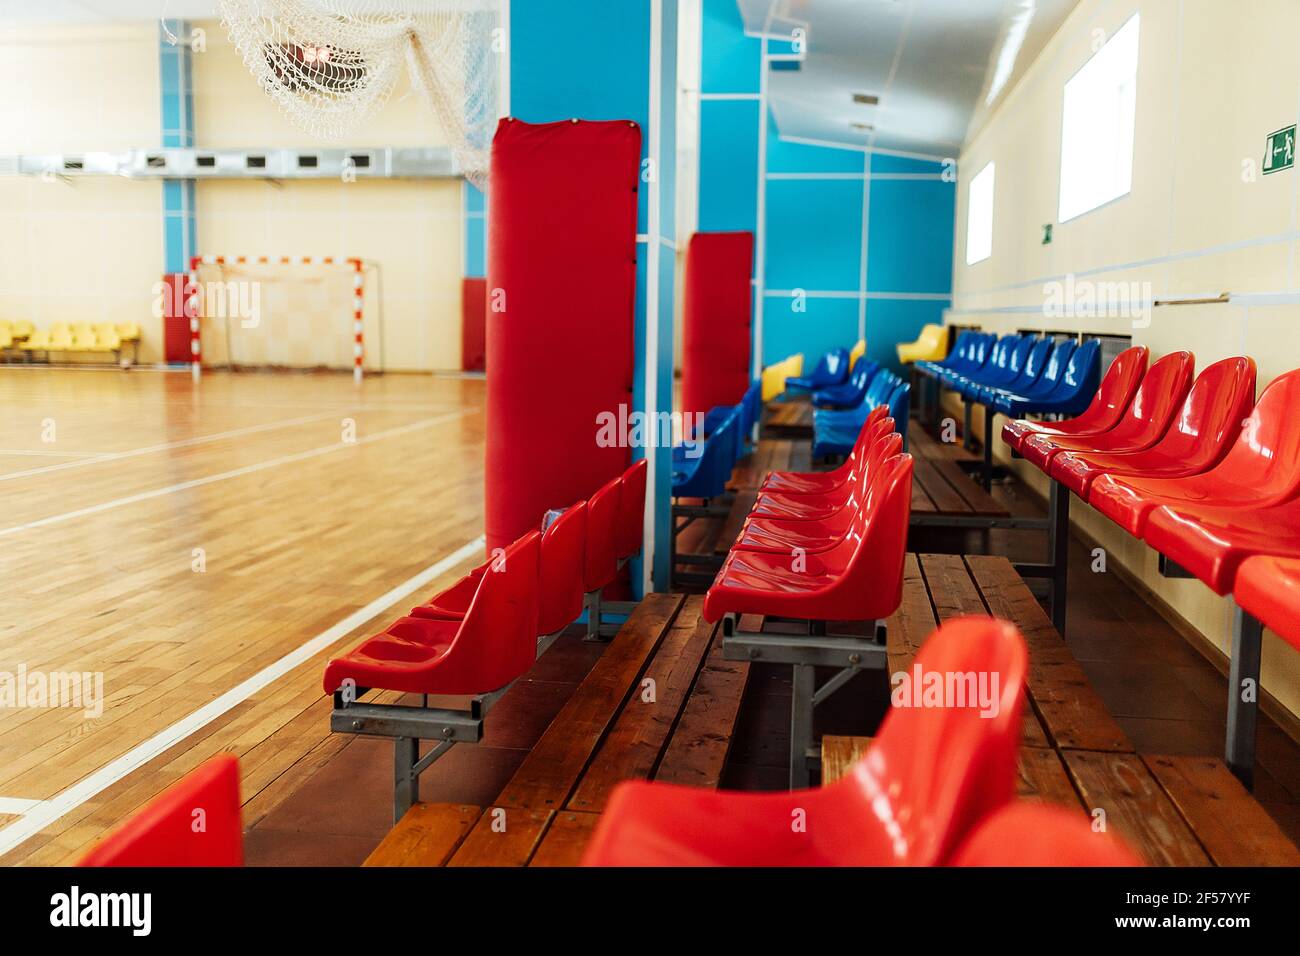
[1113,396]
[814,506]
[1146,419]
[631,511]
[1262,468]
[559,577]
[782,535]
[929,777]
[1269,588]
[493,644]
[1212,543]
[1200,436]
[859,579]
[600,565]
[1040,834]
[166,831]
[821,482]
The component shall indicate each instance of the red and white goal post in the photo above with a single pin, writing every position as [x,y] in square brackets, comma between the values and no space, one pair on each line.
[196,295]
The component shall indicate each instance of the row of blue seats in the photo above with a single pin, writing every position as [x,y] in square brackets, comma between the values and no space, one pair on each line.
[1018,374]
[843,409]
[702,468]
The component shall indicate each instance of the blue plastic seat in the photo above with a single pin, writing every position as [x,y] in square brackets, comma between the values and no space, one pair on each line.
[1003,367]
[1030,371]
[836,430]
[1071,392]
[955,357]
[833,369]
[977,356]
[1046,382]
[848,395]
[705,475]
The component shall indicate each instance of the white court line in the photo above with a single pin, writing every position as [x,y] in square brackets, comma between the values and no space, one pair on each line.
[50,454]
[16,806]
[96,457]
[222,476]
[46,812]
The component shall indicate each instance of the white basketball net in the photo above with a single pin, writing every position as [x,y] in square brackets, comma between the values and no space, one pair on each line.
[331,64]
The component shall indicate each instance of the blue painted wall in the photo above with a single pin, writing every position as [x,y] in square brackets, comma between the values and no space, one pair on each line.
[176,109]
[814,225]
[594,62]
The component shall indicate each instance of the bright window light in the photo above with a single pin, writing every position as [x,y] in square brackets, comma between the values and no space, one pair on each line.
[979,216]
[1097,126]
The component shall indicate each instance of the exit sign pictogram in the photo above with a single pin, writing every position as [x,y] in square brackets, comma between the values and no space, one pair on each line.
[1279,151]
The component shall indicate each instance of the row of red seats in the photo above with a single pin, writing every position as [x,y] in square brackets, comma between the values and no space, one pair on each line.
[937,784]
[936,788]
[481,633]
[1200,471]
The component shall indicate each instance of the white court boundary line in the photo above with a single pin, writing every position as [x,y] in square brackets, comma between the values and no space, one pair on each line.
[46,812]
[95,457]
[12,806]
[224,475]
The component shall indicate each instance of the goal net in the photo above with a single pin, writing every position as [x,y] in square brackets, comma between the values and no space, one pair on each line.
[287,313]
[331,64]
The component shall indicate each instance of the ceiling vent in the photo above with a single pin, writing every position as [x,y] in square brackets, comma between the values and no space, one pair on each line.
[866,99]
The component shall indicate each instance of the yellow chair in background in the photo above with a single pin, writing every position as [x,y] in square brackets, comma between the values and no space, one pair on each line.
[60,339]
[22,329]
[37,341]
[128,331]
[6,335]
[930,346]
[856,353]
[774,376]
[107,338]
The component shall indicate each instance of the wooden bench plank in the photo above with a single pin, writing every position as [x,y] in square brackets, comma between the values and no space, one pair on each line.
[912,623]
[1136,807]
[839,753]
[951,588]
[565,839]
[427,835]
[1234,829]
[546,777]
[945,497]
[632,747]
[921,443]
[1070,709]
[770,454]
[978,501]
[504,836]
[698,748]
[921,500]
[740,509]
[1042,776]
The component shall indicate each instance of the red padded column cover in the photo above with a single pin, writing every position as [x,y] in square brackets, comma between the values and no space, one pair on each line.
[715,333]
[473,319]
[562,261]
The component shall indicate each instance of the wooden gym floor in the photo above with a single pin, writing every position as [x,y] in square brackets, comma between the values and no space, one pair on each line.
[205,550]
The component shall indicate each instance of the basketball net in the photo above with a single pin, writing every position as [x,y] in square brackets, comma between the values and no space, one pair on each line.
[332,64]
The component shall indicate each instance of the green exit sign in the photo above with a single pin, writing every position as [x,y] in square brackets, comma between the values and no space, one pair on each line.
[1279,152]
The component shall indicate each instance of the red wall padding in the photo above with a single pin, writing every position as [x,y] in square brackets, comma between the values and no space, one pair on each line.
[176,324]
[715,333]
[473,324]
[562,256]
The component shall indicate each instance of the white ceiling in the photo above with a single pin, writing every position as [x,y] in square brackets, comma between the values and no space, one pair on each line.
[931,62]
[96,11]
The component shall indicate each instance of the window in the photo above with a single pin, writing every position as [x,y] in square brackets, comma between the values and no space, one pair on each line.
[979,216]
[1097,126]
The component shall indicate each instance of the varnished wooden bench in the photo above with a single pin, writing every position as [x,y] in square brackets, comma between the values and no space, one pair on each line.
[791,418]
[1180,811]
[660,704]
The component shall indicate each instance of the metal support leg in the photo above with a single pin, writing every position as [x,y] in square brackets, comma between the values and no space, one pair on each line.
[1058,548]
[1243,696]
[986,472]
[801,724]
[593,616]
[966,442]
[406,784]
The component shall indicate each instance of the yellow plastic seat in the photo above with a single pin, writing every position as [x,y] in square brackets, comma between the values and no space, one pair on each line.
[23,328]
[60,338]
[83,339]
[930,346]
[128,331]
[6,336]
[38,340]
[856,353]
[107,339]
[774,376]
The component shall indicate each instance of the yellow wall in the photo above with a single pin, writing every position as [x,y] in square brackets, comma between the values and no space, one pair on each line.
[93,247]
[1196,223]
[79,249]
